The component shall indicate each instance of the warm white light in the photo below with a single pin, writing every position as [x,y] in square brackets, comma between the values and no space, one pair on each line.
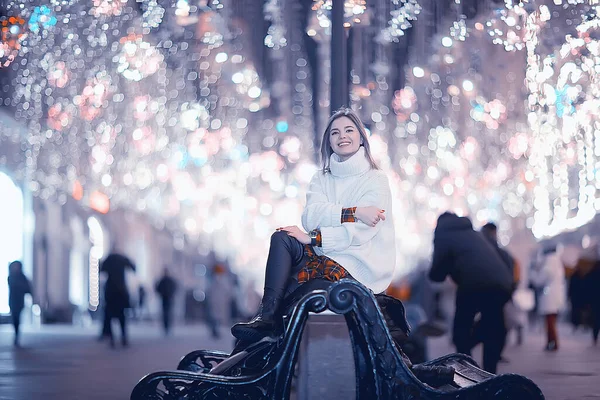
[221,57]
[418,72]
[106,180]
[254,92]
[238,77]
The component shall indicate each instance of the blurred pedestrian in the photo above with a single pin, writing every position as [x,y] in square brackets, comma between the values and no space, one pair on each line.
[166,288]
[535,265]
[116,295]
[490,232]
[141,308]
[550,281]
[18,286]
[219,296]
[484,285]
[594,282]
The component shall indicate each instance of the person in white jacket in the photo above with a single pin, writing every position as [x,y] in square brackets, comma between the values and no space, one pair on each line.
[550,281]
[348,227]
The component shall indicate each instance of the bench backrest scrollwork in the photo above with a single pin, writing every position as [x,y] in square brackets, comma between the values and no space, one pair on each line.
[375,354]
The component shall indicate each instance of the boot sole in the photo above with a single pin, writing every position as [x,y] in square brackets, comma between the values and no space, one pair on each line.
[250,335]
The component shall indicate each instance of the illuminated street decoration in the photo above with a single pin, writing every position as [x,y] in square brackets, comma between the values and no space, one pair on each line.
[107,7]
[403,11]
[138,59]
[179,127]
[507,26]
[563,102]
[275,37]
[41,19]
[12,32]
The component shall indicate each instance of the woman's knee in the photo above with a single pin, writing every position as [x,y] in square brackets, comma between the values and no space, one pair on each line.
[281,238]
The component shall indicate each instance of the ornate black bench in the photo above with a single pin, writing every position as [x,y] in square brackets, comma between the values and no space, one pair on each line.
[265,369]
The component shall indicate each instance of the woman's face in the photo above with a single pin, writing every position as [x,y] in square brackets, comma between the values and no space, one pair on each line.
[344,138]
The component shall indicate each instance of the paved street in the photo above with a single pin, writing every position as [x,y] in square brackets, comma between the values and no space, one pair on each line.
[66,363]
[63,362]
[569,374]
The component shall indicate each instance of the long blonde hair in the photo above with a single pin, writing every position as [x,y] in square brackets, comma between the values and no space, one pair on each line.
[327,151]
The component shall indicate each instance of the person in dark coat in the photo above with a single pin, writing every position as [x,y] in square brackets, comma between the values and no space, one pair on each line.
[490,232]
[18,286]
[166,288]
[484,284]
[593,282]
[116,296]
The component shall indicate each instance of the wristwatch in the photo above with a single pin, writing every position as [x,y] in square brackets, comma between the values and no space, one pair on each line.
[313,237]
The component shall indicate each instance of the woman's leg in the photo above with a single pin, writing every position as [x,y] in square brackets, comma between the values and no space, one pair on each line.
[285,253]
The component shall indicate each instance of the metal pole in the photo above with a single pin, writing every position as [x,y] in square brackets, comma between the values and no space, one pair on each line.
[339,58]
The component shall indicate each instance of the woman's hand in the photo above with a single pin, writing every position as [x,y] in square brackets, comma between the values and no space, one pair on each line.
[297,233]
[369,215]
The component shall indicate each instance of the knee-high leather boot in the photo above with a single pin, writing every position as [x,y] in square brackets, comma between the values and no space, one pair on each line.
[267,322]
[284,253]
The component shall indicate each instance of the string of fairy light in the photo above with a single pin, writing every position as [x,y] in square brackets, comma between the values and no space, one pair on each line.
[565,145]
[541,147]
[160,109]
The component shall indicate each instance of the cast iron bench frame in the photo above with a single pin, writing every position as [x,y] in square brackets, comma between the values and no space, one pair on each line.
[381,372]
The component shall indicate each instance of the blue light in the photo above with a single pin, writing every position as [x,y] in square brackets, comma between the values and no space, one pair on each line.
[282,126]
[42,17]
[564,104]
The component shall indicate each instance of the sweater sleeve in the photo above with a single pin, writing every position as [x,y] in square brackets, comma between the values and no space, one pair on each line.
[339,238]
[319,212]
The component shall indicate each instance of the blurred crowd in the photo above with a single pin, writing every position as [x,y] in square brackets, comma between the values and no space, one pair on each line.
[222,301]
[478,292]
[472,289]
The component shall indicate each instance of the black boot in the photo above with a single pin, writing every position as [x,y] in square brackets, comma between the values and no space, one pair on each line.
[266,323]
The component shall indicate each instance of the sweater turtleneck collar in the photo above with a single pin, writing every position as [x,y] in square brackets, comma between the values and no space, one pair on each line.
[357,164]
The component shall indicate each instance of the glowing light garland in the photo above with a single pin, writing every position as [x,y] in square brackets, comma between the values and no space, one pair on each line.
[354,14]
[457,118]
[12,33]
[173,128]
[402,13]
[138,59]
[507,27]
[563,101]
[275,37]
[110,116]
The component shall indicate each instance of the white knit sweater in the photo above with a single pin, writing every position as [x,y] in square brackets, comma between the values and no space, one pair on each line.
[367,253]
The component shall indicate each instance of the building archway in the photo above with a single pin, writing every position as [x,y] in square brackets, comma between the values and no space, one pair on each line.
[11,232]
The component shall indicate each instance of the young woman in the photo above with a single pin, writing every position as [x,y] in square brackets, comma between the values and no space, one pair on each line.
[348,227]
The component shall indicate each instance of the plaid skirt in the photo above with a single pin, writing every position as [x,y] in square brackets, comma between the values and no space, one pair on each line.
[320,267]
